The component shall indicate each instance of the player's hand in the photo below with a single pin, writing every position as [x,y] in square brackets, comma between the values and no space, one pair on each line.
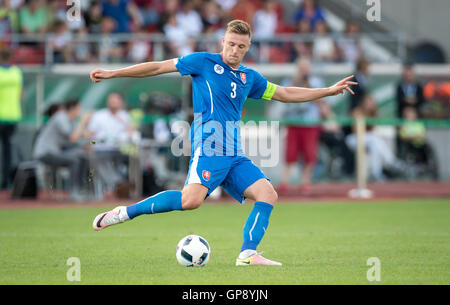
[343,85]
[98,74]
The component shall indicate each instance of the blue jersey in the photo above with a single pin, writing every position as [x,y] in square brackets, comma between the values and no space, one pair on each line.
[218,94]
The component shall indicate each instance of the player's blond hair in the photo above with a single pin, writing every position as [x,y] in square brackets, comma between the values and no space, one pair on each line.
[239,27]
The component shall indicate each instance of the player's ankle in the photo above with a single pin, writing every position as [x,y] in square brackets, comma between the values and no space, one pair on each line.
[246,253]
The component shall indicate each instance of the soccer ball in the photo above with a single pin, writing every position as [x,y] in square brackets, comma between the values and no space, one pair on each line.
[193,251]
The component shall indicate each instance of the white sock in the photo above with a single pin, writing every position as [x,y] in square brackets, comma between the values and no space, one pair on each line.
[123,215]
[246,253]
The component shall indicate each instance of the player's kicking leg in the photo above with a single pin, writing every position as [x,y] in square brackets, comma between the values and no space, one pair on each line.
[190,198]
[265,197]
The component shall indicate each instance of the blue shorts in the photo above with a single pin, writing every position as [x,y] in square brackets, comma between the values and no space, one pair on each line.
[233,173]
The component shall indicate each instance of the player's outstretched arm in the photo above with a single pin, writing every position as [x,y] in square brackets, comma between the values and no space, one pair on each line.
[140,70]
[298,94]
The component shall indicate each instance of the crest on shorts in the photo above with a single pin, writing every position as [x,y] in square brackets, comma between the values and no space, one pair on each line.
[218,69]
[243,77]
[206,175]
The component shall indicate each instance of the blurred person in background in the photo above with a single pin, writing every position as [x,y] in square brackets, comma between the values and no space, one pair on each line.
[33,17]
[333,137]
[110,50]
[265,21]
[243,10]
[9,19]
[149,11]
[138,47]
[349,43]
[189,19]
[110,128]
[82,51]
[226,5]
[302,140]
[60,41]
[409,92]
[56,10]
[303,48]
[125,13]
[381,155]
[93,18]
[59,145]
[414,149]
[412,132]
[362,88]
[211,16]
[178,42]
[323,45]
[311,12]
[11,86]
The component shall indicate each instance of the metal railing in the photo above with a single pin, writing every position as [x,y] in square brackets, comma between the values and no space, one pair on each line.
[261,51]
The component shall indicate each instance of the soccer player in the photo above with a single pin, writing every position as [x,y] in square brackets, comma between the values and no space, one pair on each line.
[220,87]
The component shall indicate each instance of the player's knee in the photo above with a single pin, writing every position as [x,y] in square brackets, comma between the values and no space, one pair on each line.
[272,197]
[190,202]
[269,196]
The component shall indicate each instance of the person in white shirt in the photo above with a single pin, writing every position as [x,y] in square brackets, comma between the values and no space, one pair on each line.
[110,128]
[189,20]
[265,21]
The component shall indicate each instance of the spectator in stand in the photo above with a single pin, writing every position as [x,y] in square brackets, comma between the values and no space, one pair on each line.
[16,4]
[310,11]
[349,44]
[211,16]
[33,18]
[139,48]
[57,10]
[303,48]
[380,154]
[110,49]
[149,11]
[189,20]
[302,140]
[171,7]
[265,21]
[9,19]
[57,145]
[243,10]
[60,42]
[123,12]
[226,5]
[81,47]
[323,45]
[11,86]
[110,128]
[409,92]
[93,17]
[179,43]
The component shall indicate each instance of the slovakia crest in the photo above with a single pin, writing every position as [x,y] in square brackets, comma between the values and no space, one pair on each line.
[206,175]
[243,77]
[218,69]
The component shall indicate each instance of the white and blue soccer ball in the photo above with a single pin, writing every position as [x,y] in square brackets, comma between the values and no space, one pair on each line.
[193,251]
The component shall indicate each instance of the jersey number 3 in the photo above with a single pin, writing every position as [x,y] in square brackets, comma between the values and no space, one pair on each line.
[233,90]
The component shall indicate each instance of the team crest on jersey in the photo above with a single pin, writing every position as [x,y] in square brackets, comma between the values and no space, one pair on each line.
[218,69]
[243,77]
[206,175]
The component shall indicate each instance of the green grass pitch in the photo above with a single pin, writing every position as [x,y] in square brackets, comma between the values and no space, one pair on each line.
[318,243]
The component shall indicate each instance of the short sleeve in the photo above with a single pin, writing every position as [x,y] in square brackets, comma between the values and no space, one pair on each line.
[259,86]
[262,88]
[191,64]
